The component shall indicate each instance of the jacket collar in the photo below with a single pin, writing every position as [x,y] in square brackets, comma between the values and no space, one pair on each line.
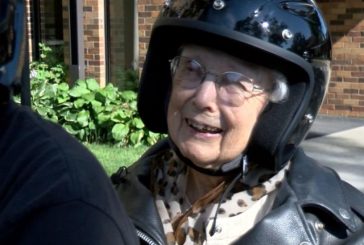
[319,187]
[139,202]
[308,185]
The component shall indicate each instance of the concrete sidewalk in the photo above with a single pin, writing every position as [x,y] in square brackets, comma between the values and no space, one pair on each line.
[339,143]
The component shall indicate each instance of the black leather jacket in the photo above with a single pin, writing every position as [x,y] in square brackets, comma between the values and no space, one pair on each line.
[313,206]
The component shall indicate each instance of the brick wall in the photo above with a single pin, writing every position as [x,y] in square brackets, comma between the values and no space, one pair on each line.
[148,11]
[94,40]
[346,92]
[50,31]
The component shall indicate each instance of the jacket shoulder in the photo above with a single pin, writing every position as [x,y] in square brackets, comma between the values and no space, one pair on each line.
[322,195]
[314,206]
[132,186]
[321,182]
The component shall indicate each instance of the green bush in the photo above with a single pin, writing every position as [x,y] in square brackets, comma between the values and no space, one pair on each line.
[87,111]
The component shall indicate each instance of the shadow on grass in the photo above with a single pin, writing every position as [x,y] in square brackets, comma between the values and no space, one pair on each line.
[112,157]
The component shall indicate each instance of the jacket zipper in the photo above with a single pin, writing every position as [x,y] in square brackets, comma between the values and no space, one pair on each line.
[146,238]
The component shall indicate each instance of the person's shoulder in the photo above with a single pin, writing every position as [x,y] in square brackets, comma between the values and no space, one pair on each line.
[56,138]
[51,152]
[43,167]
[316,183]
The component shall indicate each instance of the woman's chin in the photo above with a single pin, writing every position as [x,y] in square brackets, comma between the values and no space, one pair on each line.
[204,158]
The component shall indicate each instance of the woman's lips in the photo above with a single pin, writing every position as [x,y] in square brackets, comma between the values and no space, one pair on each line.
[203,128]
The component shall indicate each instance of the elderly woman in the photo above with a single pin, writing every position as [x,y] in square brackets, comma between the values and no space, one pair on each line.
[236,85]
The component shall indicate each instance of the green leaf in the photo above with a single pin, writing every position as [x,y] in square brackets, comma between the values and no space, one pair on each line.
[66,106]
[42,111]
[103,118]
[92,126]
[153,137]
[119,131]
[100,96]
[78,91]
[62,98]
[51,90]
[136,137]
[110,92]
[128,95]
[133,105]
[81,134]
[92,84]
[63,87]
[89,97]
[138,123]
[79,103]
[109,108]
[70,117]
[117,116]
[81,83]
[83,117]
[96,106]
[54,118]
[70,129]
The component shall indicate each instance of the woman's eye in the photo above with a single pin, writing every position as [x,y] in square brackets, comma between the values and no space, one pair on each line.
[193,66]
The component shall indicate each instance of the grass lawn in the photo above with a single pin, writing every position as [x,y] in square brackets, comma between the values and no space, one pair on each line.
[112,157]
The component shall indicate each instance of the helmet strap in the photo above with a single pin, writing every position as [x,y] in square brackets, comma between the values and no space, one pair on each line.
[239,164]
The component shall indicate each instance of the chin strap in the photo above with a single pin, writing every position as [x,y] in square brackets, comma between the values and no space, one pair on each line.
[241,176]
[239,165]
[226,169]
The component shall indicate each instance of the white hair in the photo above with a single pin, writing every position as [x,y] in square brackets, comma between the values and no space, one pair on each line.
[280,90]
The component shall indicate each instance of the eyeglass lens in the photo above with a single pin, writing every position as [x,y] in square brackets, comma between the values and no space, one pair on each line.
[189,74]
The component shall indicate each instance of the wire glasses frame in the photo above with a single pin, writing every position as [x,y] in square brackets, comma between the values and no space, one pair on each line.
[233,87]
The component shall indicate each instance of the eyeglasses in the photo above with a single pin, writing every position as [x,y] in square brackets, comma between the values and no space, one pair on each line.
[233,87]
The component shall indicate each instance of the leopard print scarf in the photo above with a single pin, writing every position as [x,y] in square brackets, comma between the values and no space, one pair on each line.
[185,222]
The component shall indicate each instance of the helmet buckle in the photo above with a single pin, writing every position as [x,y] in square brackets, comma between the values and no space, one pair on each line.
[287,34]
[309,118]
[219,4]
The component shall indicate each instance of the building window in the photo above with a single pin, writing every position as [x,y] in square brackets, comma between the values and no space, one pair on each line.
[47,26]
[119,16]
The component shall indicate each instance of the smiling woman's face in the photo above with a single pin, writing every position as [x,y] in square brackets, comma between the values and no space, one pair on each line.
[206,129]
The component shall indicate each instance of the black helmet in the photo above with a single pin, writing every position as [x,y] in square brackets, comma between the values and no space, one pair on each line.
[289,36]
[11,41]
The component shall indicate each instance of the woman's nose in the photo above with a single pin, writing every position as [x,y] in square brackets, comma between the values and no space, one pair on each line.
[205,96]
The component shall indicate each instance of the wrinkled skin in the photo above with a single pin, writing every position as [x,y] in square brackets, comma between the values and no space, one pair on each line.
[192,109]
